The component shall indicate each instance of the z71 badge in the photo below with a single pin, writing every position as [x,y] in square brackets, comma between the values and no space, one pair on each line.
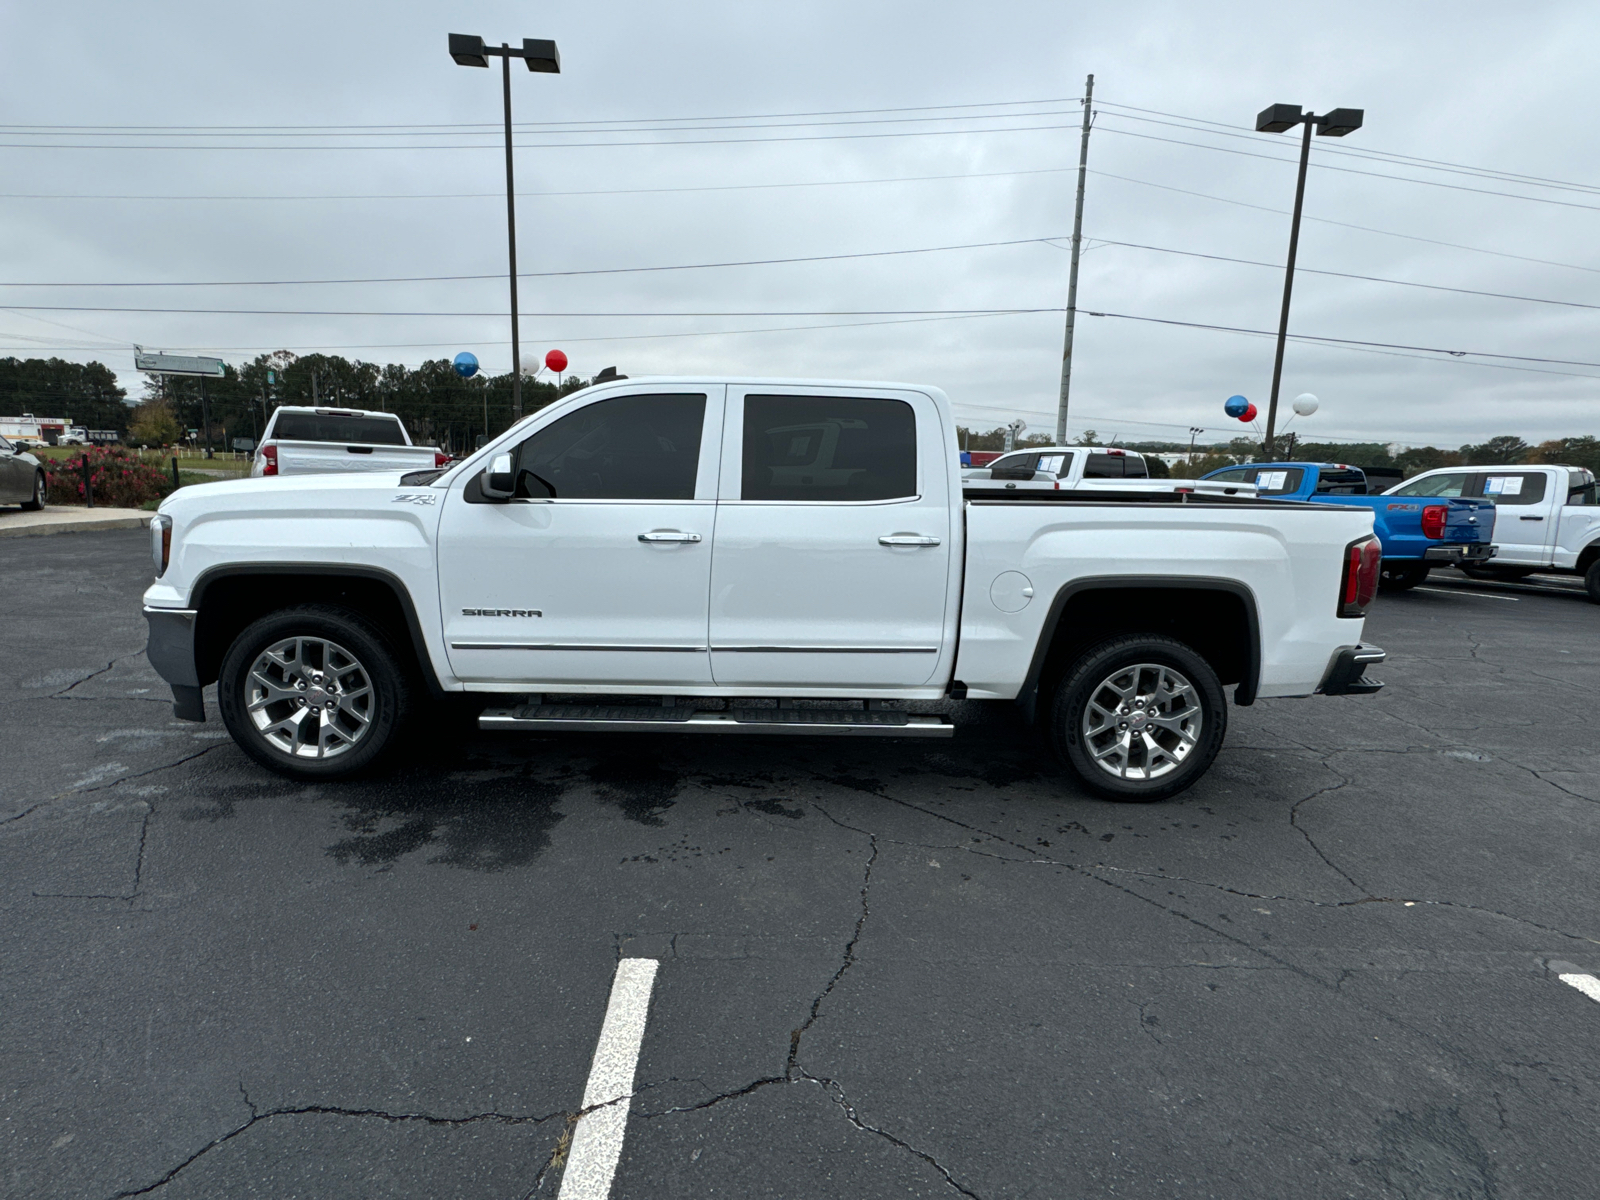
[501,612]
[416,498]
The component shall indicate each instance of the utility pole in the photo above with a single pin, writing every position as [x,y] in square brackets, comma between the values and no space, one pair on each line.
[1072,277]
[511,235]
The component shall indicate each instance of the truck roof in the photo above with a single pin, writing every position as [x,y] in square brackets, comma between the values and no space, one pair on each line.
[333,412]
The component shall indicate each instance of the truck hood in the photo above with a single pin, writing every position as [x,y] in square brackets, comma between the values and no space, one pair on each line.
[198,497]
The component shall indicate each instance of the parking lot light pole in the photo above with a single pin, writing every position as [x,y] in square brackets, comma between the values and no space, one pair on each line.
[1193,433]
[1278,118]
[541,55]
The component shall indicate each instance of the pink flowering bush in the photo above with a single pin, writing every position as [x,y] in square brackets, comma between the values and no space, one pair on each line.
[120,479]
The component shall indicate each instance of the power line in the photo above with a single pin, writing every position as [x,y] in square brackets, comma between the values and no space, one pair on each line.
[1352,343]
[755,262]
[727,187]
[1432,287]
[1457,187]
[1223,129]
[819,137]
[1548,262]
[296,312]
[551,131]
[839,112]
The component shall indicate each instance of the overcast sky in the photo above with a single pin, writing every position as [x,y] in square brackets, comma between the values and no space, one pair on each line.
[1495,86]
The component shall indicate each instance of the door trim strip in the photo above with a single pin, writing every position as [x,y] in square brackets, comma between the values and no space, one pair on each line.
[571,646]
[825,649]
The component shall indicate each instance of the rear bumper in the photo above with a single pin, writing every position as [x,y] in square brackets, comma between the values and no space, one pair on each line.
[1346,671]
[170,650]
[1476,553]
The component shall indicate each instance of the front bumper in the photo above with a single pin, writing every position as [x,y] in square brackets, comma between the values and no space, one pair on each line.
[171,652]
[1346,671]
[1476,553]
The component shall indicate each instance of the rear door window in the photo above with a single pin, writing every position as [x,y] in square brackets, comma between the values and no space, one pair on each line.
[1133,466]
[1453,483]
[839,448]
[1510,487]
[1349,482]
[625,448]
[1056,464]
[1104,466]
[1278,481]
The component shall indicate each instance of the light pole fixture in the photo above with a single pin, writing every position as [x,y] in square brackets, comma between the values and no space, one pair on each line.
[541,55]
[1279,118]
[1193,433]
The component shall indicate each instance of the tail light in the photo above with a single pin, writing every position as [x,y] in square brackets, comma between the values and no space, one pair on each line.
[269,455]
[1363,560]
[1433,520]
[440,458]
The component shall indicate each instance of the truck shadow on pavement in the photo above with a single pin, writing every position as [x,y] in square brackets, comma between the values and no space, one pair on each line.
[489,802]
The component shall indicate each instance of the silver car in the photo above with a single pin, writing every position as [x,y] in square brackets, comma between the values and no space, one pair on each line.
[21,477]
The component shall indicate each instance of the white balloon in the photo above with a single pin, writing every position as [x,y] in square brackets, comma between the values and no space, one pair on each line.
[1305,404]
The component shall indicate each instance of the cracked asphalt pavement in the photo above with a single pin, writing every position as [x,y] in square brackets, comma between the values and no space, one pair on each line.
[887,969]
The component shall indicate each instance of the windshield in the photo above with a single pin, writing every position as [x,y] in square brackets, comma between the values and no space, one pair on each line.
[330,427]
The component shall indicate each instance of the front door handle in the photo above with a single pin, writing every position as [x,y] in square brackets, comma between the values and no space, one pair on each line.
[907,539]
[668,535]
[1531,518]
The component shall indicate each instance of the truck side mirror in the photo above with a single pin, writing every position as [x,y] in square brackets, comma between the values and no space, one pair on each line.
[497,482]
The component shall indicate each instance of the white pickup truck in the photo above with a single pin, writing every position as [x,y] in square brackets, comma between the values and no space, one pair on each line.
[324,441]
[1547,518]
[1081,468]
[747,556]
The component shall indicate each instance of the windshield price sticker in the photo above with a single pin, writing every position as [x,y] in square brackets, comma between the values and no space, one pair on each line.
[1503,485]
[1271,481]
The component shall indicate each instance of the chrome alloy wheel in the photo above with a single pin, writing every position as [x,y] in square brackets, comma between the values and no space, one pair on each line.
[1142,722]
[309,697]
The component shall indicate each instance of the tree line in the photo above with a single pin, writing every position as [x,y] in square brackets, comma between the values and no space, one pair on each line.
[440,408]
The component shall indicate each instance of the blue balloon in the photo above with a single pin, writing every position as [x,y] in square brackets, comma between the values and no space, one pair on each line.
[1235,407]
[467,365]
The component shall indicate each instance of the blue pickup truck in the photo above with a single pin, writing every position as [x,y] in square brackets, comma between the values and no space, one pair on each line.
[1418,529]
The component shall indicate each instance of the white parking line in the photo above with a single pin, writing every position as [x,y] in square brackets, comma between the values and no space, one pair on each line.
[1587,984]
[597,1140]
[1467,592]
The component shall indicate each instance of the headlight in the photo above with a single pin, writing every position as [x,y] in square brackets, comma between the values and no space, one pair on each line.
[161,542]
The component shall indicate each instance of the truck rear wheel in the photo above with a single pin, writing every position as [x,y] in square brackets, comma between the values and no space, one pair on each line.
[1402,576]
[1139,717]
[312,692]
[1591,581]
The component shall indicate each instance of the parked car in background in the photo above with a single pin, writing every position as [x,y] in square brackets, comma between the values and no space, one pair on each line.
[324,441]
[1549,518]
[1420,531]
[22,478]
[736,556]
[1079,468]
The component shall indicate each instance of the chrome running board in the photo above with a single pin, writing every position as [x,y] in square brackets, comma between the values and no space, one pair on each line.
[629,718]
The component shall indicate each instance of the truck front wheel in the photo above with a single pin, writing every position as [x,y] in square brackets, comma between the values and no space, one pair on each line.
[312,692]
[1139,717]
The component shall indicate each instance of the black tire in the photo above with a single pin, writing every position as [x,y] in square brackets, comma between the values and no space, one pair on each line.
[1591,581]
[1497,574]
[1401,576]
[40,490]
[362,727]
[1089,680]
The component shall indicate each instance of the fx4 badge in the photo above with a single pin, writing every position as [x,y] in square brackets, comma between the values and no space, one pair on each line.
[416,498]
[501,612]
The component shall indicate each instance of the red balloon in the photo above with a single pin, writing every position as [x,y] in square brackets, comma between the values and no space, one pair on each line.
[1249,414]
[556,361]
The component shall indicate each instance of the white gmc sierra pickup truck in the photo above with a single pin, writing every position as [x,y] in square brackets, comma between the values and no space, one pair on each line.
[747,556]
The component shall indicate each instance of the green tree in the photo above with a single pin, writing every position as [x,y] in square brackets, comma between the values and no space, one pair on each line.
[154,424]
[1495,451]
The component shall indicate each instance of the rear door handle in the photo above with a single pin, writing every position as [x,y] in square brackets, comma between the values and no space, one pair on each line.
[668,535]
[1531,518]
[907,539]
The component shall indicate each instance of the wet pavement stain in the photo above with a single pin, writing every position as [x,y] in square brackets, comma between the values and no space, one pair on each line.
[477,823]
[642,790]
[1432,1157]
